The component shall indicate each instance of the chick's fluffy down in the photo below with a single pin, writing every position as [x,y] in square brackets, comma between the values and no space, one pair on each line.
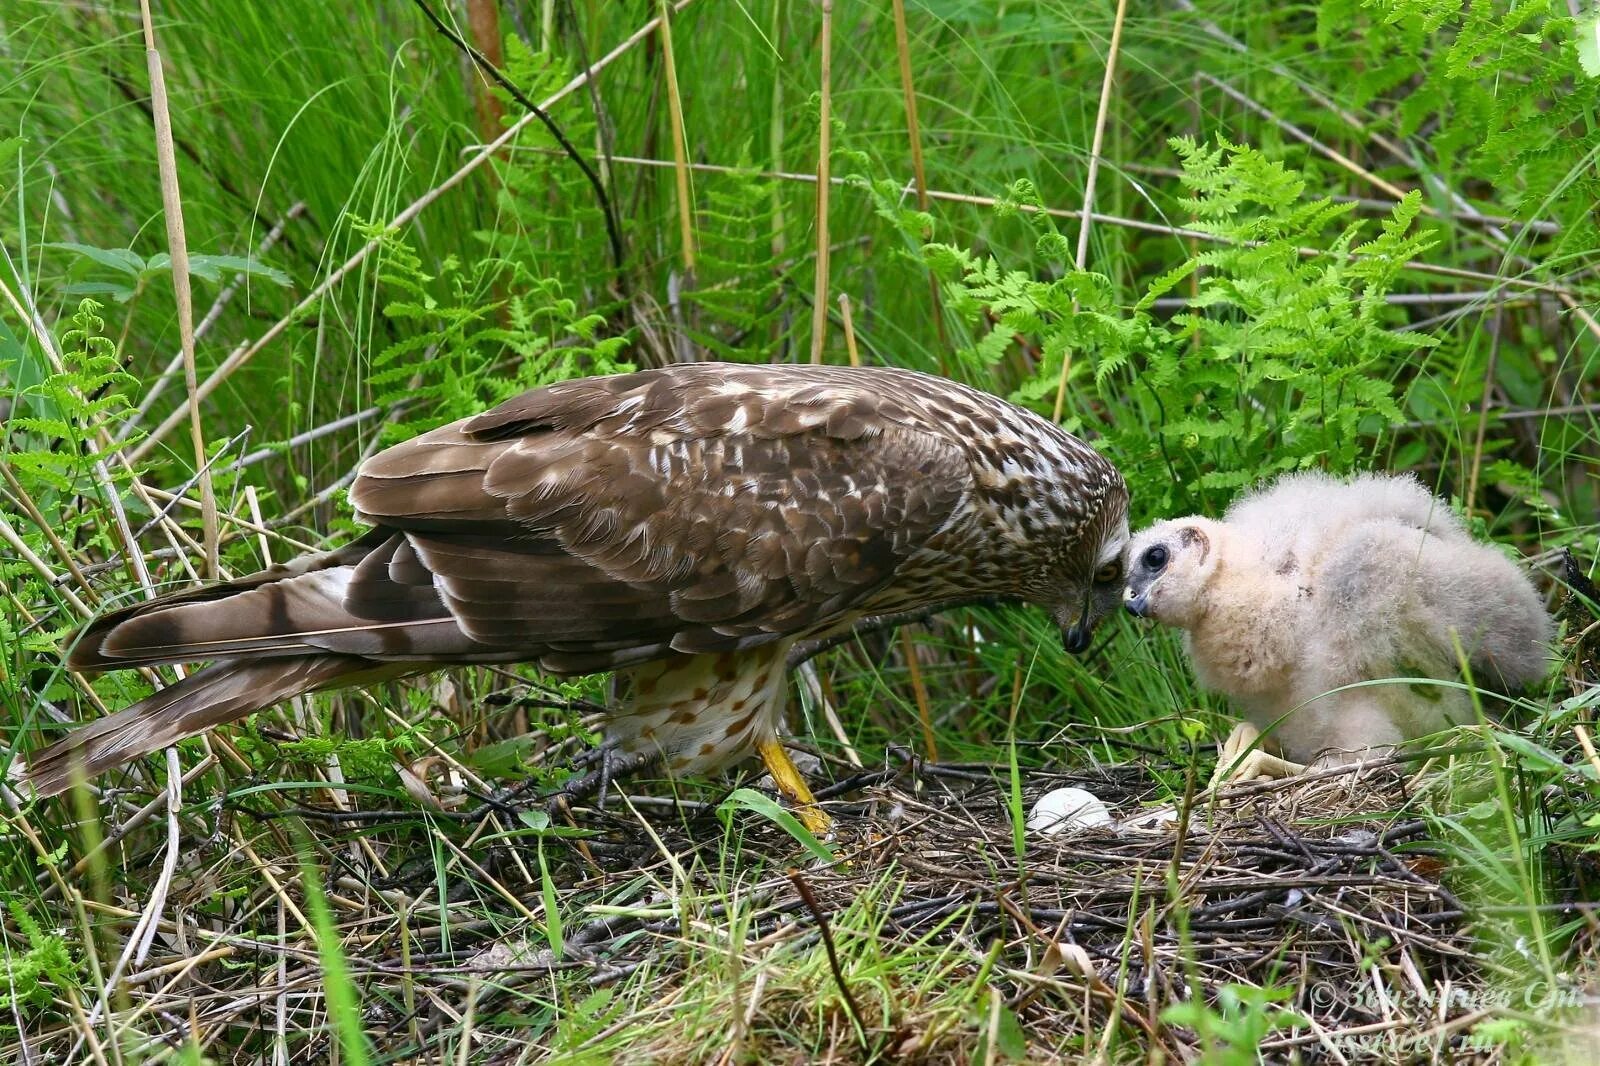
[1313,584]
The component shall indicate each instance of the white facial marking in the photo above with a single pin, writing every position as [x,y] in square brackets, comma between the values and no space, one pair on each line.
[1114,547]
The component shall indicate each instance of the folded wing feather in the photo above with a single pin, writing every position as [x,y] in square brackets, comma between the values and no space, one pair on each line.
[590,525]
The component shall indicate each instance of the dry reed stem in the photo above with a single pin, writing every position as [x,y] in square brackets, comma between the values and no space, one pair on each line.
[819,295]
[178,250]
[483,26]
[1498,326]
[849,329]
[919,692]
[902,45]
[680,154]
[1082,258]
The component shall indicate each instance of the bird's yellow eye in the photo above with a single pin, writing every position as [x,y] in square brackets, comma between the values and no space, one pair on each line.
[1109,572]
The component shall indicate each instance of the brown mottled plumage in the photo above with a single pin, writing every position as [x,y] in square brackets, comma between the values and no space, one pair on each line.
[684,526]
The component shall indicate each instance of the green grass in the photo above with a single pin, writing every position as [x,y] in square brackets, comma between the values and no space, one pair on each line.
[329,120]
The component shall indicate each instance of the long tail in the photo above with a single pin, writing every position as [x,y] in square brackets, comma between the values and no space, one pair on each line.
[220,693]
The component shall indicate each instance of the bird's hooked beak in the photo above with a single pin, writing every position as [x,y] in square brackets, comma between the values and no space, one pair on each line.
[1075,637]
[1137,602]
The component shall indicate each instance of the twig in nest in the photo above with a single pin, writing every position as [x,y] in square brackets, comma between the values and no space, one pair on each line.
[598,780]
[810,901]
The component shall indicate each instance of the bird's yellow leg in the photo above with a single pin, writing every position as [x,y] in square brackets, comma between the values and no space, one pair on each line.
[786,775]
[1240,759]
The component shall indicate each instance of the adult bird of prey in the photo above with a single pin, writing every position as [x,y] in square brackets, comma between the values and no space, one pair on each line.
[683,526]
[1312,592]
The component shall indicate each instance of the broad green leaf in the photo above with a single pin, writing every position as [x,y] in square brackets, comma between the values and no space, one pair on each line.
[759,803]
[120,293]
[122,260]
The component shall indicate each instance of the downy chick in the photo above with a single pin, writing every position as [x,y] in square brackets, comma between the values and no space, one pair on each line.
[1312,584]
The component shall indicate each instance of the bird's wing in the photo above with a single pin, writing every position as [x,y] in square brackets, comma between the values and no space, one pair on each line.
[666,510]
[590,525]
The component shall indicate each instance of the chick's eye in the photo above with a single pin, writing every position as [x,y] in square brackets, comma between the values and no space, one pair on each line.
[1155,557]
[1109,572]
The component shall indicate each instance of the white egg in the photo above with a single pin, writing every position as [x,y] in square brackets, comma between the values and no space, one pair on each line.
[1066,809]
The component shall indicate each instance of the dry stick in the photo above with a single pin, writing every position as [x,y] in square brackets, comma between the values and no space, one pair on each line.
[23,304]
[1084,226]
[819,301]
[315,433]
[1483,409]
[183,489]
[826,931]
[178,249]
[25,501]
[920,692]
[244,353]
[680,155]
[1305,138]
[263,544]
[902,44]
[212,316]
[245,527]
[849,329]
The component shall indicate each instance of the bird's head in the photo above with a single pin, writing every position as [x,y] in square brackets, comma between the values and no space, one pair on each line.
[1167,569]
[1097,593]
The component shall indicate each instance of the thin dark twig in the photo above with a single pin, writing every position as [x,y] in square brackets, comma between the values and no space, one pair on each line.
[815,908]
[607,209]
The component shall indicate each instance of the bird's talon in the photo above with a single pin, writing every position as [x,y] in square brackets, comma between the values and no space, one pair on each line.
[1240,760]
[791,785]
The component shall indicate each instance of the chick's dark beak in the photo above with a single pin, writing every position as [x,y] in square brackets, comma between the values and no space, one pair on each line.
[1138,603]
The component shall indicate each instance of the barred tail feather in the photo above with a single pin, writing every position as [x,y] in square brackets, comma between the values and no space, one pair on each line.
[223,692]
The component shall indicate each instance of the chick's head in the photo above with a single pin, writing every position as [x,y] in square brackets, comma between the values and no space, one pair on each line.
[1168,568]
